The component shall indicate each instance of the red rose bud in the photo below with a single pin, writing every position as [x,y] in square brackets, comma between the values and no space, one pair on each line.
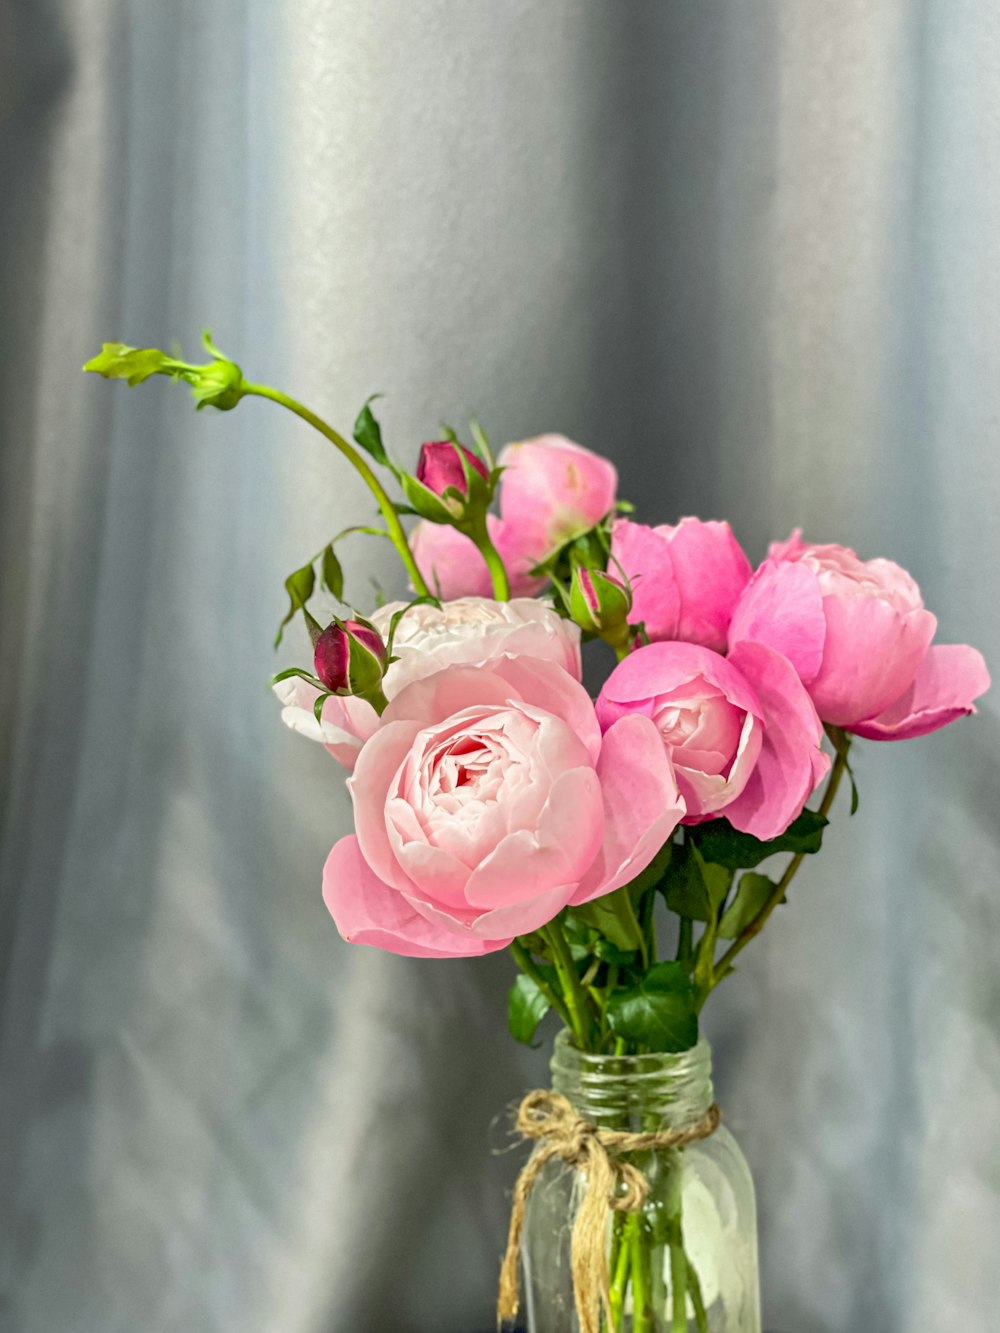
[600,604]
[350,658]
[440,467]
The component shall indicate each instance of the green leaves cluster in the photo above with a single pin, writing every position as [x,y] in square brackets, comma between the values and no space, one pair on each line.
[634,1001]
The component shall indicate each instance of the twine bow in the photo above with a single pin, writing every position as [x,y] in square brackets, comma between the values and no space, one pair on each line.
[611,1183]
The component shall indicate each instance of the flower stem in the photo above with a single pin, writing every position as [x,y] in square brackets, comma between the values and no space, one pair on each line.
[754,927]
[396,532]
[526,963]
[576,999]
[496,566]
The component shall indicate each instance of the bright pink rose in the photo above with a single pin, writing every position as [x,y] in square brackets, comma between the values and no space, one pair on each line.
[552,491]
[486,802]
[440,466]
[686,578]
[858,635]
[466,632]
[453,566]
[741,732]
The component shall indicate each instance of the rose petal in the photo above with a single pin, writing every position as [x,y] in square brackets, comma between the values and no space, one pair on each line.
[783,608]
[366,911]
[642,805]
[791,762]
[950,677]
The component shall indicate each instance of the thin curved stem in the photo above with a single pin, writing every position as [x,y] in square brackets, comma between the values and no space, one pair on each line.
[755,926]
[496,566]
[395,530]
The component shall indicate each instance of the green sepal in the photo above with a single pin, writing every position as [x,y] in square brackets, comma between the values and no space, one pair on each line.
[841,742]
[218,384]
[658,1011]
[753,893]
[426,599]
[117,361]
[302,674]
[718,841]
[300,586]
[526,1007]
[482,443]
[319,705]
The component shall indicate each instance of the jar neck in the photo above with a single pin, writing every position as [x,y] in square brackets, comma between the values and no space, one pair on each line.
[634,1092]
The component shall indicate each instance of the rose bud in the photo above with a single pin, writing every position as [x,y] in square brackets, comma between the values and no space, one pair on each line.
[351,658]
[451,484]
[440,467]
[600,605]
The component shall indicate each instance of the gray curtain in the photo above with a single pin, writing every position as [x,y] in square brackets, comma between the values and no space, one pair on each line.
[749,250]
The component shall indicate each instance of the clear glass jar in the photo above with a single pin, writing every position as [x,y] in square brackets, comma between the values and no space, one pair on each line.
[688,1262]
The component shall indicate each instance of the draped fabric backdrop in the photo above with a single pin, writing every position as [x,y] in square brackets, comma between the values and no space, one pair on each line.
[752,251]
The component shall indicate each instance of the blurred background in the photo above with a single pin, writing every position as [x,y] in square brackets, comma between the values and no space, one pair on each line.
[750,251]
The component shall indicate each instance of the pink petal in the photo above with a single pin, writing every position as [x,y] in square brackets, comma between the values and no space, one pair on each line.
[552,490]
[783,608]
[366,911]
[644,557]
[711,571]
[659,668]
[642,805]
[871,656]
[528,863]
[949,678]
[369,786]
[791,762]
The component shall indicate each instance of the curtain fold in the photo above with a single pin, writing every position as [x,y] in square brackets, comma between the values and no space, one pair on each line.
[748,251]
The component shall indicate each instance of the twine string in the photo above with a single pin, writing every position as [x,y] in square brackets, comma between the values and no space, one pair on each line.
[612,1183]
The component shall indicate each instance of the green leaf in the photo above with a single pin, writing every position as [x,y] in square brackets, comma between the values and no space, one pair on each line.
[659,1011]
[613,918]
[368,433]
[718,841]
[610,953]
[333,575]
[300,587]
[654,873]
[753,893]
[526,1007]
[117,361]
[693,886]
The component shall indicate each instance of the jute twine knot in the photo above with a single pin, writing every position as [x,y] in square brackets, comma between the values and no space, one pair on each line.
[611,1184]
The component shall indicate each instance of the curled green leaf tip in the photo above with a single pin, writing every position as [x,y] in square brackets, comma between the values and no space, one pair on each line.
[218,384]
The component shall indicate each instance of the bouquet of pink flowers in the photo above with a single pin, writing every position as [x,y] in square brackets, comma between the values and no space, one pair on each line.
[613,846]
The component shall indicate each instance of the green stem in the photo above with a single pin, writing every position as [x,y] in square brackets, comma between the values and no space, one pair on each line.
[524,960]
[496,566]
[685,940]
[642,1308]
[576,999]
[678,1286]
[697,1300]
[396,532]
[628,911]
[755,926]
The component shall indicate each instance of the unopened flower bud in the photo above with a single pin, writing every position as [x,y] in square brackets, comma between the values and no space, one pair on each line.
[440,467]
[451,485]
[350,658]
[600,604]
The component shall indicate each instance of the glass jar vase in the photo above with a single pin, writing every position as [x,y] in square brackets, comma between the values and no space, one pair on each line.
[687,1263]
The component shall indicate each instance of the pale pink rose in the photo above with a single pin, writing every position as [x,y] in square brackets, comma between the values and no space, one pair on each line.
[487,802]
[453,566]
[465,632]
[741,732]
[552,491]
[686,578]
[858,635]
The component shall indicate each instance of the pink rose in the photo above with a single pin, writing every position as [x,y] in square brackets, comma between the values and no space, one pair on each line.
[741,732]
[858,635]
[469,631]
[686,579]
[486,802]
[552,491]
[439,467]
[453,566]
